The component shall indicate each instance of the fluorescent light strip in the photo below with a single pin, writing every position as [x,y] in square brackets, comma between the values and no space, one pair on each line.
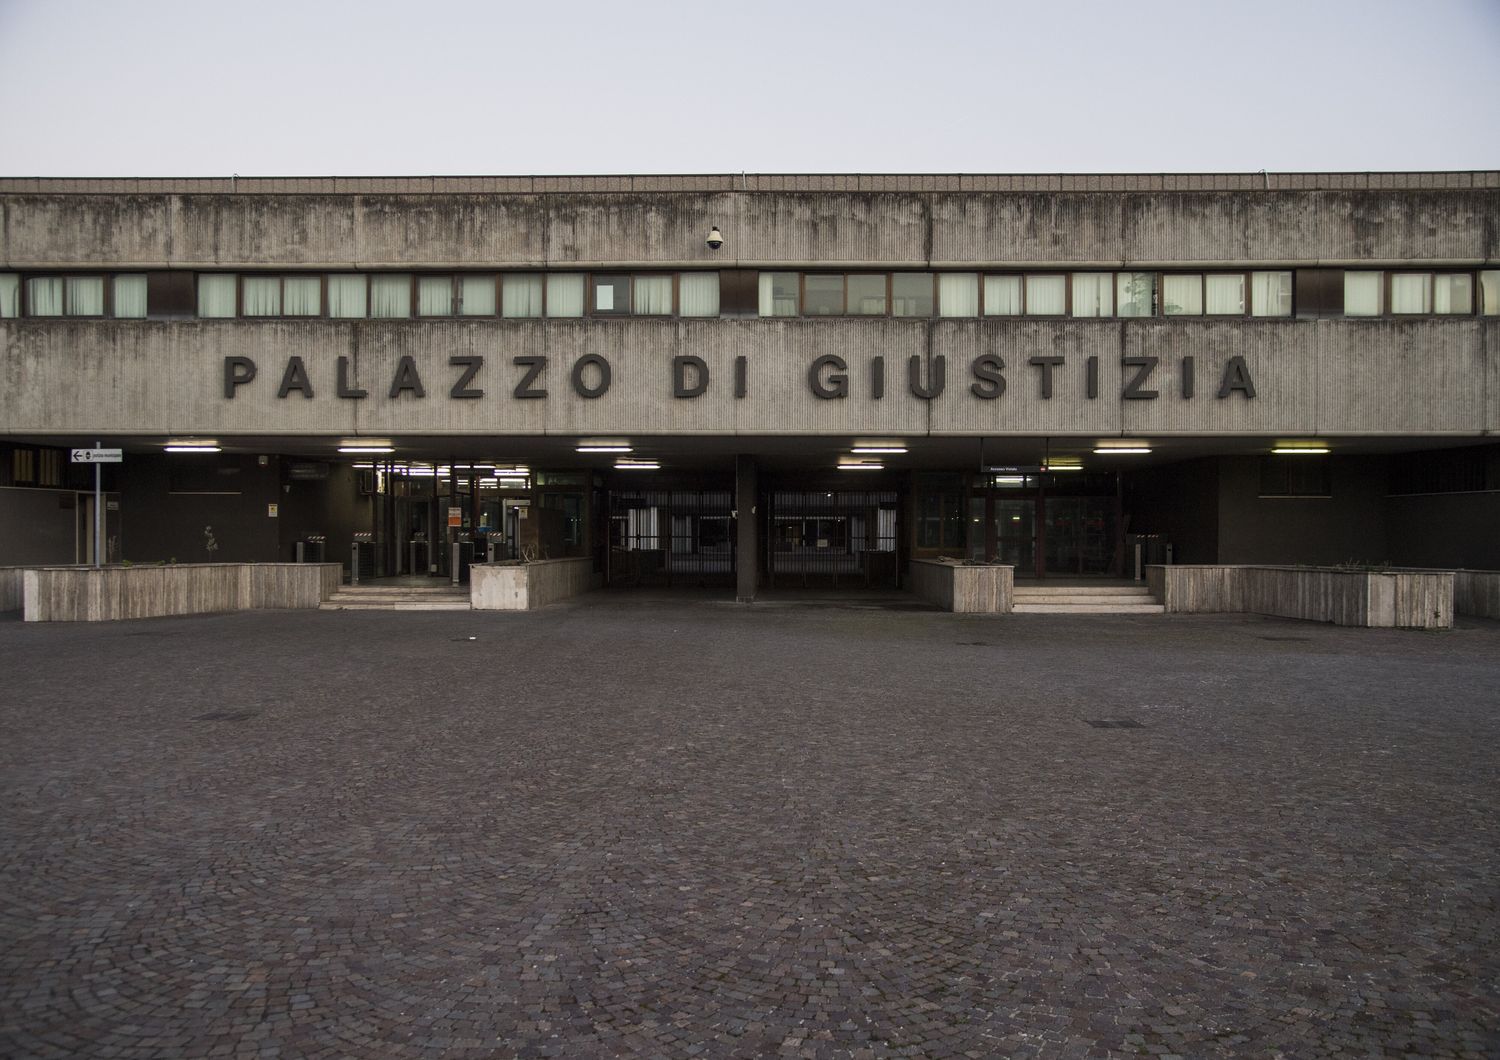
[861,467]
[875,450]
[193,448]
[1300,451]
[1063,467]
[638,465]
[1121,450]
[604,449]
[366,449]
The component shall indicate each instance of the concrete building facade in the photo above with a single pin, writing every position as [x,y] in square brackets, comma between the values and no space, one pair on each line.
[1047,371]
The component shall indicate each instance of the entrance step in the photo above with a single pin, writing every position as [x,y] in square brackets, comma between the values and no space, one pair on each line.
[397,598]
[1085,600]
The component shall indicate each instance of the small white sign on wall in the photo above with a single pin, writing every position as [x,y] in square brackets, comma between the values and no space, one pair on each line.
[272,510]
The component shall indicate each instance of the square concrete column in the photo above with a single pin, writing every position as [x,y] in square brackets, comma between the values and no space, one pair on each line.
[746,529]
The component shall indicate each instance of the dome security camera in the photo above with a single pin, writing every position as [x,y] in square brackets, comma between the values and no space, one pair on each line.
[715,238]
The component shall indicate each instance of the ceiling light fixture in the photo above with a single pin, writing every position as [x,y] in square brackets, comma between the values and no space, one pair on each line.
[1122,450]
[366,449]
[1301,450]
[193,448]
[878,449]
[604,449]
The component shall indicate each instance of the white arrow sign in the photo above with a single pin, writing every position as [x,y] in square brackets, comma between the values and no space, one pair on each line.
[98,456]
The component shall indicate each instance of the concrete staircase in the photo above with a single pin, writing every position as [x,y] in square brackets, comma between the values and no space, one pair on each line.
[1110,598]
[398,598]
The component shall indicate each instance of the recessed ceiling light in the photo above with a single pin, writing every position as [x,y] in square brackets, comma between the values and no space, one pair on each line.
[604,449]
[878,449]
[193,448]
[366,449]
[1122,450]
[1300,450]
[862,467]
[637,465]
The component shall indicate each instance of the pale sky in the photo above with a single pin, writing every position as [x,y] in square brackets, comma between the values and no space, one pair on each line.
[202,88]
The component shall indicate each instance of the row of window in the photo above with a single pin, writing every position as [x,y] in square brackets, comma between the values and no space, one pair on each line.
[353,295]
[1042,294]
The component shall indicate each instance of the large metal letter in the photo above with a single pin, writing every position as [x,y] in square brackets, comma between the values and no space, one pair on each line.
[406,378]
[937,378]
[1236,377]
[988,382]
[461,387]
[837,383]
[680,365]
[237,372]
[344,389]
[1046,364]
[1143,366]
[581,388]
[533,366]
[295,378]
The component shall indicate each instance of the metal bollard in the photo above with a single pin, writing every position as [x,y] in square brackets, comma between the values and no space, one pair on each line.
[454,552]
[354,563]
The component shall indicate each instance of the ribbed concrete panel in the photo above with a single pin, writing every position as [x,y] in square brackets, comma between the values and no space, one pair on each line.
[1279,228]
[45,231]
[1022,409]
[140,377]
[447,230]
[781,352]
[1411,376]
[811,229]
[1280,357]
[271,230]
[639,399]
[1029,228]
[1491,329]
[632,228]
[1405,226]
[430,345]
[1184,227]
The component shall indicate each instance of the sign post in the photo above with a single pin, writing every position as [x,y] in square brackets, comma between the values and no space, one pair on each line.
[98,456]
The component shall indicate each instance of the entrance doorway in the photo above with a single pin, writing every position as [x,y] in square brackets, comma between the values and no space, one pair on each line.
[840,539]
[671,538]
[1047,525]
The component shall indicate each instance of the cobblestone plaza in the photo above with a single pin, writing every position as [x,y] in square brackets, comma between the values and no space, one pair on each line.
[642,826]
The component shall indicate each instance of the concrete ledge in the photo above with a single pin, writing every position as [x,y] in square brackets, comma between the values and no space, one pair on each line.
[528,586]
[965,589]
[86,594]
[1386,599]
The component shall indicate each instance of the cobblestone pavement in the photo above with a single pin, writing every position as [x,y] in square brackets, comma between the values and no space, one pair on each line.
[649,827]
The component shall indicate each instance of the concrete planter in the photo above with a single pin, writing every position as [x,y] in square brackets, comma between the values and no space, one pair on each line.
[984,589]
[1387,599]
[86,594]
[528,586]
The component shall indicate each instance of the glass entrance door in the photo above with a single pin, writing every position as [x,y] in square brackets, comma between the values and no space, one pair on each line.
[1080,535]
[1015,533]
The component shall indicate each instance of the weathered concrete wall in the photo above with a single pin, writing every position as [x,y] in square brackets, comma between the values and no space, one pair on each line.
[82,594]
[1345,527]
[11,581]
[1477,593]
[1333,377]
[1409,600]
[795,226]
[38,525]
[962,589]
[528,586]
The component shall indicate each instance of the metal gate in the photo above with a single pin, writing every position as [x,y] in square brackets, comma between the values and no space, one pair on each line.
[671,537]
[842,539]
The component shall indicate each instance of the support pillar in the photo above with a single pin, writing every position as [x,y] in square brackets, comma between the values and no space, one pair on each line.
[746,529]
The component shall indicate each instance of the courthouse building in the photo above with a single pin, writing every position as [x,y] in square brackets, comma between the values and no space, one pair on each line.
[755,380]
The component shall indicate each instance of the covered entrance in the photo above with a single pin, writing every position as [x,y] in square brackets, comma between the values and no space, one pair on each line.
[1047,524]
[671,538]
[840,539]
